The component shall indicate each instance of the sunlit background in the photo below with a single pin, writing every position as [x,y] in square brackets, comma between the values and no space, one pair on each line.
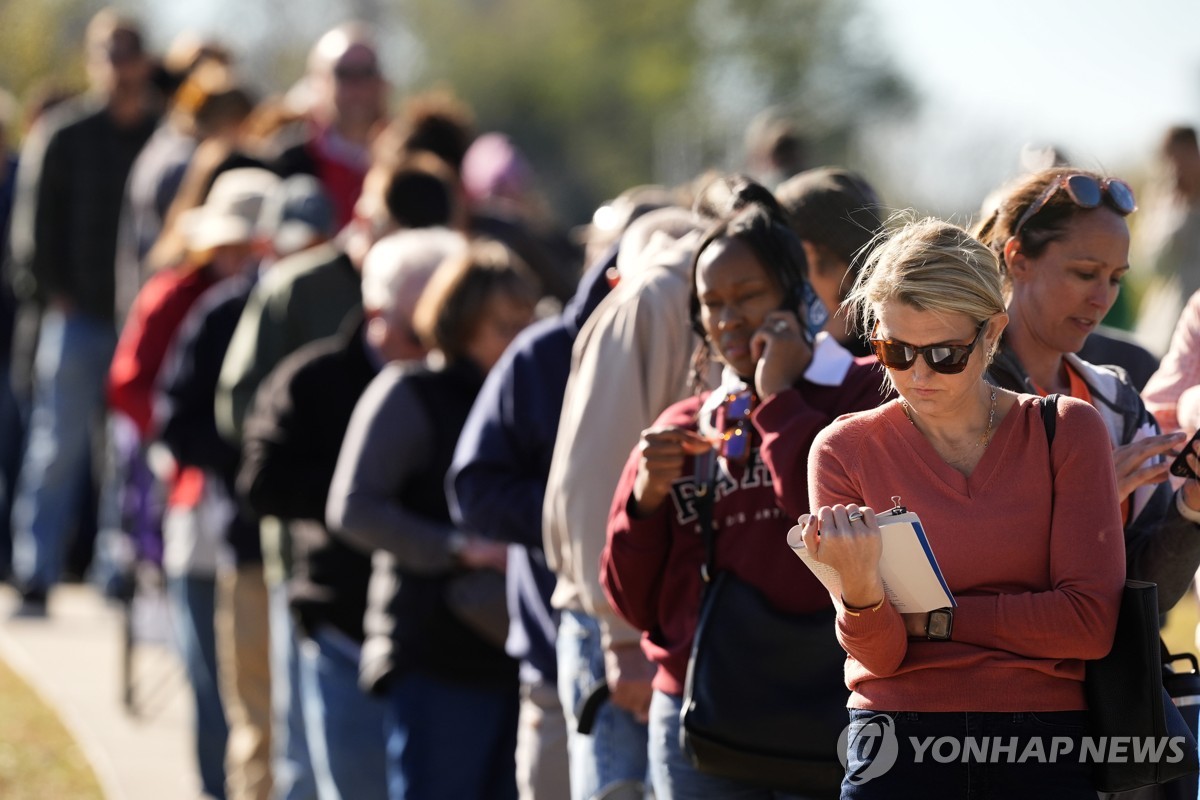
[932,99]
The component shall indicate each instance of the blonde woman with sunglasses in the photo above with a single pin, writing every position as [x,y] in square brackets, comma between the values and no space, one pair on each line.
[1027,537]
[1062,244]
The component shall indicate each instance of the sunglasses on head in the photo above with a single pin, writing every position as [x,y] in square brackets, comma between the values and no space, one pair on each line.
[948,359]
[1085,192]
[733,425]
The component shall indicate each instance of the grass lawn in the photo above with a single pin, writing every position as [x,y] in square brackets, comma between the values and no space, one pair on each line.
[38,758]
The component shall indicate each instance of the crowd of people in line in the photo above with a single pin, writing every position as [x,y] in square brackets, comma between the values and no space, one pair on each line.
[420,470]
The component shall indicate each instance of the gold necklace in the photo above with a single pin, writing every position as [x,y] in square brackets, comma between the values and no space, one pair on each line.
[984,438]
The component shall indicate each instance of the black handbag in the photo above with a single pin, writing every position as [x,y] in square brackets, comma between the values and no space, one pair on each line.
[1127,697]
[764,700]
[1131,692]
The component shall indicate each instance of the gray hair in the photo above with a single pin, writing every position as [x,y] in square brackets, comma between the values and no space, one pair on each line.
[400,258]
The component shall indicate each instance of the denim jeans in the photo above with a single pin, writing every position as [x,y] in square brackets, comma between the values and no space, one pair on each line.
[934,758]
[450,741]
[12,447]
[673,775]
[290,765]
[70,369]
[193,603]
[615,751]
[344,724]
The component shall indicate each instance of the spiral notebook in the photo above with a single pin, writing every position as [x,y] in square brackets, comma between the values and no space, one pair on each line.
[912,580]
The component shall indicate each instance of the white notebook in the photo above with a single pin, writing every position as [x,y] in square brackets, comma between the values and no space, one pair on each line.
[912,580]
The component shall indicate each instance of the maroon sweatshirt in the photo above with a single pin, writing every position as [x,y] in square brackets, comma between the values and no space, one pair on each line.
[650,567]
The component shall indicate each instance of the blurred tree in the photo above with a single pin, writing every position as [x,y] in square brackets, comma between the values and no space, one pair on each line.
[42,42]
[599,96]
[604,96]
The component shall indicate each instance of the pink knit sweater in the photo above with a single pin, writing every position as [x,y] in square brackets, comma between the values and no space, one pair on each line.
[1030,544]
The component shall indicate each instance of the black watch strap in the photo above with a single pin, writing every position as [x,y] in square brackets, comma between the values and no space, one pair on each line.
[940,624]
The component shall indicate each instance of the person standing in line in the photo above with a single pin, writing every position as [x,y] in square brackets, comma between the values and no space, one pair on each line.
[836,214]
[1062,245]
[435,622]
[295,217]
[292,438]
[1027,534]
[641,333]
[497,485]
[788,379]
[348,105]
[64,238]
[303,298]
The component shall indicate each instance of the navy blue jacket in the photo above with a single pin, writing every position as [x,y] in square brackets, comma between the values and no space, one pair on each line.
[498,477]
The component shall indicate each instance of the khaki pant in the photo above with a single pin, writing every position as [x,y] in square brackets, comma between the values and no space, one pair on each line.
[245,676]
[542,772]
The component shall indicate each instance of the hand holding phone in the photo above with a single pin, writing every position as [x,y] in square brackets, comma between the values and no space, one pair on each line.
[782,350]
[1180,467]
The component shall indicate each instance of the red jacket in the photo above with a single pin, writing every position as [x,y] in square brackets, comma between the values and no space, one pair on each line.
[157,312]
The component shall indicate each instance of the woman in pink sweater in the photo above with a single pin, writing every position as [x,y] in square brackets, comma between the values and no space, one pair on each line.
[1028,537]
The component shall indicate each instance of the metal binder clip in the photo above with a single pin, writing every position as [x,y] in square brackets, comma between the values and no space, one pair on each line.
[896,507]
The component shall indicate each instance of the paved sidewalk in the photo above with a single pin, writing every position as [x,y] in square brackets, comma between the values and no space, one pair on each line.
[73,659]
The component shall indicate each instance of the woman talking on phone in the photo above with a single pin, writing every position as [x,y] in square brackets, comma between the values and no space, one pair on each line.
[757,316]
[1028,538]
[1063,248]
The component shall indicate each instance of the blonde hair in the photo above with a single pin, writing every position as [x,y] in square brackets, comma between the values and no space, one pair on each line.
[929,265]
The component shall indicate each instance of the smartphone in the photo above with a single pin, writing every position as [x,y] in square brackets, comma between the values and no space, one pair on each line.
[1179,467]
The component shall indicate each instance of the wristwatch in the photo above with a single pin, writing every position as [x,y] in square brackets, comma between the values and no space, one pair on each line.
[939,624]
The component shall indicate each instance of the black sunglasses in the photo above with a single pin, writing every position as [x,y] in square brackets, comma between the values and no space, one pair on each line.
[1085,192]
[948,359]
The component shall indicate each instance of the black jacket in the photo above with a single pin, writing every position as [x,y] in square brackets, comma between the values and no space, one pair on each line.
[290,447]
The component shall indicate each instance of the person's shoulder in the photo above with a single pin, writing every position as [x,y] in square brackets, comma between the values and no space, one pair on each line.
[682,413]
[855,425]
[312,361]
[281,276]
[159,284]
[544,339]
[1074,417]
[866,372]
[75,116]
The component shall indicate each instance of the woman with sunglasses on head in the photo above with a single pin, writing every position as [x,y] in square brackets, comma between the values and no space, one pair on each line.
[1063,247]
[1027,537]
[756,314]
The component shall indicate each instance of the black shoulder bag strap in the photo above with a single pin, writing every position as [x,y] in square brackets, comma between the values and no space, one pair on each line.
[1050,419]
[706,489]
[1050,415]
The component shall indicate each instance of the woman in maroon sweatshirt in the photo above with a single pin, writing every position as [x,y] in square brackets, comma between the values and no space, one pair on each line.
[749,286]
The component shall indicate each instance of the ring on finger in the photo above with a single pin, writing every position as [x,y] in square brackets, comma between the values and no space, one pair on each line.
[780,326]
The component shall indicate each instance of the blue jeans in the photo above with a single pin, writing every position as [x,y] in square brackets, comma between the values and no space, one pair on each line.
[344,725]
[615,751]
[193,602]
[932,756]
[450,741]
[70,369]
[12,447]
[673,775]
[290,765]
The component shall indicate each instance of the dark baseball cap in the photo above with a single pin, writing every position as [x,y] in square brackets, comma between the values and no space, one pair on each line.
[295,214]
